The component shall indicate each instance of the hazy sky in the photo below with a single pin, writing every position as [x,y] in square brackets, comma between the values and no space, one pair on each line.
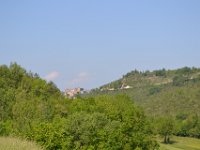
[88,43]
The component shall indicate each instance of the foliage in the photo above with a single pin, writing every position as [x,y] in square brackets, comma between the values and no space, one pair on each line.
[164,93]
[160,72]
[154,90]
[35,109]
[97,123]
[180,92]
[179,80]
[185,71]
[167,128]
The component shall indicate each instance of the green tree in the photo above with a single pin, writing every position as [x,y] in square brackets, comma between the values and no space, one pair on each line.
[160,72]
[179,80]
[167,128]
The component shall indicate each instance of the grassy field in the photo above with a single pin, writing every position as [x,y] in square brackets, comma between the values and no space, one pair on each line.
[181,143]
[9,143]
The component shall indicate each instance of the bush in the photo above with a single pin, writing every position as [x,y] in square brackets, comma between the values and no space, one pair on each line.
[179,80]
[100,123]
[5,128]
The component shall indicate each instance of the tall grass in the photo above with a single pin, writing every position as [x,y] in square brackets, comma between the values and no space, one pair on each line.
[10,143]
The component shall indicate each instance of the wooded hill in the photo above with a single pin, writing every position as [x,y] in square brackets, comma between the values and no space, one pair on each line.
[159,92]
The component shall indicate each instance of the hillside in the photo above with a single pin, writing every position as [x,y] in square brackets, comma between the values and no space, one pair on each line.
[160,91]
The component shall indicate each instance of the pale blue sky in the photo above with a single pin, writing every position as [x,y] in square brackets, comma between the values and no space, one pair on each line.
[89,43]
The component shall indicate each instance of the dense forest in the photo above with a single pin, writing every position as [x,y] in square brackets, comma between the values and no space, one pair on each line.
[160,103]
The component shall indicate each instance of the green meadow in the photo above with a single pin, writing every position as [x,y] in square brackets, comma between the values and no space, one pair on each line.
[181,143]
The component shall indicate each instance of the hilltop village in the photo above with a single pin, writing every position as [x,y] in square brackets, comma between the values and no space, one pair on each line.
[72,93]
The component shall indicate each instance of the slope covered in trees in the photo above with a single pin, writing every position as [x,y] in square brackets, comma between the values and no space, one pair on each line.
[170,97]
[36,110]
[161,91]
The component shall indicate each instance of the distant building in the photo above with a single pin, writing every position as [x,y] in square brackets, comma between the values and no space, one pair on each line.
[72,93]
[128,87]
[111,89]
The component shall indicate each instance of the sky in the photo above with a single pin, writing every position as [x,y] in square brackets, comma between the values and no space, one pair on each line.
[92,42]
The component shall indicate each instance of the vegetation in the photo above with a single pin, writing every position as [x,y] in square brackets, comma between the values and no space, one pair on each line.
[36,110]
[8,143]
[181,143]
[170,98]
[176,89]
[166,129]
